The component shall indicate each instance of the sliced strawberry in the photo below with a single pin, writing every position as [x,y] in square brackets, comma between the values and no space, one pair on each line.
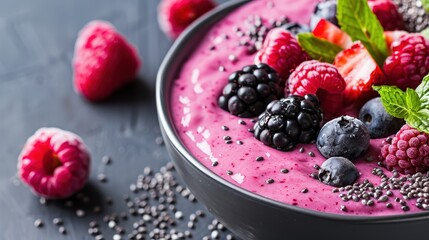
[360,72]
[328,31]
[392,36]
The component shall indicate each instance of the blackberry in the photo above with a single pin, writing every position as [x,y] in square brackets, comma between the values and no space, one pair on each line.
[289,121]
[249,90]
[415,17]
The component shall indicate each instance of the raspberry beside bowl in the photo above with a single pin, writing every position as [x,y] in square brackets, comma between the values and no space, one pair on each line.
[249,215]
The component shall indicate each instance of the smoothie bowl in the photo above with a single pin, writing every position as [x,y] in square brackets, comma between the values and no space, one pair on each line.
[257,191]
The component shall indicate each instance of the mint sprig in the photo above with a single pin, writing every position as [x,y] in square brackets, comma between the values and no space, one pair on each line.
[411,105]
[356,19]
[318,48]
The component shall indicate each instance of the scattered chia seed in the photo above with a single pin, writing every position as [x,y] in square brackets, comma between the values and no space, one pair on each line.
[314,175]
[215,163]
[232,58]
[102,177]
[304,190]
[239,142]
[80,213]
[225,128]
[57,221]
[269,181]
[229,172]
[311,154]
[284,170]
[259,159]
[241,122]
[301,150]
[343,208]
[62,230]
[159,140]
[106,160]
[38,223]
[315,166]
[221,69]
[228,141]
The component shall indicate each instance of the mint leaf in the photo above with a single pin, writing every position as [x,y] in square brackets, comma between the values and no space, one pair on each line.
[357,20]
[411,105]
[394,100]
[419,120]
[412,99]
[423,92]
[318,48]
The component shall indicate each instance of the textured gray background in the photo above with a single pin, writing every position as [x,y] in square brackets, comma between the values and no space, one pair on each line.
[36,47]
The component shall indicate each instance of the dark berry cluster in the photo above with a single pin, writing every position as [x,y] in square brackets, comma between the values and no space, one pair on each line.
[289,121]
[249,90]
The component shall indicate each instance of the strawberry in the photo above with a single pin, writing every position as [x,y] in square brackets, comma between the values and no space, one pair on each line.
[328,31]
[175,15]
[360,72]
[388,15]
[392,36]
[103,61]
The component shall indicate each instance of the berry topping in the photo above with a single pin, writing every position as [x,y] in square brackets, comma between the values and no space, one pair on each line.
[360,72]
[407,152]
[289,121]
[409,61]
[249,90]
[296,28]
[175,15]
[338,172]
[54,163]
[281,51]
[344,136]
[388,15]
[325,10]
[380,124]
[103,61]
[322,79]
[415,17]
[328,31]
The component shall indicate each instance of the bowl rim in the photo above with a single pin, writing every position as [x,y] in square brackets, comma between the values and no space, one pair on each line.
[170,131]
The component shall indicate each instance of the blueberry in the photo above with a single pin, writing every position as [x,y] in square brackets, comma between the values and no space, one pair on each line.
[296,28]
[344,136]
[338,172]
[326,10]
[380,124]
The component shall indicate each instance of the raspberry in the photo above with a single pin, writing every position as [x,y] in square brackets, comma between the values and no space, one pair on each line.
[409,61]
[388,15]
[282,52]
[103,61]
[54,163]
[288,121]
[408,152]
[249,90]
[322,79]
[175,15]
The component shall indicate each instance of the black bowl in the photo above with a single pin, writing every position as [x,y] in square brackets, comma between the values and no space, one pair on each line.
[249,215]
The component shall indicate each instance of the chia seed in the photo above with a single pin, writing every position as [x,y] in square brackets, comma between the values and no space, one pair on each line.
[311,154]
[38,223]
[221,69]
[241,122]
[284,170]
[259,159]
[228,141]
[106,160]
[269,181]
[301,150]
[304,190]
[225,128]
[239,142]
[215,163]
[229,172]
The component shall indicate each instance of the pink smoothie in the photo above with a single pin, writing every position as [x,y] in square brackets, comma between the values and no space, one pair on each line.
[199,121]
